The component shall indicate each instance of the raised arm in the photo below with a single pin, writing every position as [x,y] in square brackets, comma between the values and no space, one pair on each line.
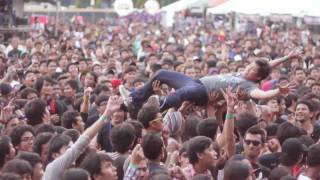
[293,54]
[259,94]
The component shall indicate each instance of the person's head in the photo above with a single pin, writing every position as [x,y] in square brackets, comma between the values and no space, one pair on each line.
[101,101]
[190,71]
[208,128]
[299,75]
[287,130]
[309,82]
[189,129]
[291,100]
[12,122]
[257,71]
[151,118]
[76,173]
[254,140]
[10,176]
[72,120]
[99,165]
[35,162]
[313,158]
[122,137]
[244,121]
[72,68]
[70,88]
[22,138]
[292,152]
[130,74]
[20,167]
[200,151]
[29,94]
[304,111]
[90,79]
[44,85]
[7,152]
[72,133]
[119,116]
[58,145]
[278,172]
[153,148]
[46,128]
[315,88]
[237,170]
[29,78]
[36,112]
[41,146]
[52,66]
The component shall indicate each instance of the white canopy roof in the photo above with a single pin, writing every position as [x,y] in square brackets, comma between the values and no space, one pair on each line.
[267,7]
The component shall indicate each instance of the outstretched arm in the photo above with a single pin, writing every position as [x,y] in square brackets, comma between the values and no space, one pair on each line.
[259,94]
[294,53]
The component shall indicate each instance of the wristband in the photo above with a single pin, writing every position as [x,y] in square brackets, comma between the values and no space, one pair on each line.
[229,116]
[104,118]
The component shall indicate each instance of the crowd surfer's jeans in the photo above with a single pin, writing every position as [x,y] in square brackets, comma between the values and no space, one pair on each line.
[186,89]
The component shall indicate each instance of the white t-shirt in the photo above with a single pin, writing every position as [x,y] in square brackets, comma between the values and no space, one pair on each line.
[303,177]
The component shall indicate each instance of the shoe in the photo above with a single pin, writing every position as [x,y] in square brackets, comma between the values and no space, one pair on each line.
[125,94]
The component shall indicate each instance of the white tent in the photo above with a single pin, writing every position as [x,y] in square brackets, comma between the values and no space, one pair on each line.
[267,7]
[178,6]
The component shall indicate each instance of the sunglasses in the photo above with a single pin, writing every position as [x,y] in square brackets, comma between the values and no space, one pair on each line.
[159,120]
[255,143]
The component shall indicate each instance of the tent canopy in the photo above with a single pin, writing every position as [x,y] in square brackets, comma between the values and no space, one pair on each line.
[267,7]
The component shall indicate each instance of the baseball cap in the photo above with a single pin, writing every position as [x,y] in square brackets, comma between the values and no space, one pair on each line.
[5,89]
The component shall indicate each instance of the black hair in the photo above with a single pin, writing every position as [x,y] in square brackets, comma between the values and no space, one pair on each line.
[100,88]
[25,92]
[271,129]
[147,114]
[278,172]
[152,146]
[197,145]
[31,157]
[46,128]
[313,158]
[18,132]
[264,68]
[100,99]
[41,139]
[244,121]
[122,137]
[17,166]
[75,173]
[257,131]
[290,99]
[10,176]
[287,130]
[34,111]
[4,148]
[307,103]
[72,133]
[69,118]
[208,128]
[236,170]
[56,143]
[39,82]
[190,128]
[73,84]
[92,163]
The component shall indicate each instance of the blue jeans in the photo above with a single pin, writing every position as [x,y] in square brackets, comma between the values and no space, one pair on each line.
[187,89]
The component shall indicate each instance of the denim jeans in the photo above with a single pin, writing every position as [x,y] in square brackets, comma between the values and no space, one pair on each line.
[186,89]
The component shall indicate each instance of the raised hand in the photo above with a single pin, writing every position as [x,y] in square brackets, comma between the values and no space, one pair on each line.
[296,53]
[213,96]
[137,155]
[87,91]
[113,105]
[231,97]
[288,88]
[156,87]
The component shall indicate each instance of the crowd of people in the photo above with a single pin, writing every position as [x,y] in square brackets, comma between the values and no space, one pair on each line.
[137,101]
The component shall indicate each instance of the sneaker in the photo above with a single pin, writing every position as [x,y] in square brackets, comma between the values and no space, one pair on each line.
[125,94]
